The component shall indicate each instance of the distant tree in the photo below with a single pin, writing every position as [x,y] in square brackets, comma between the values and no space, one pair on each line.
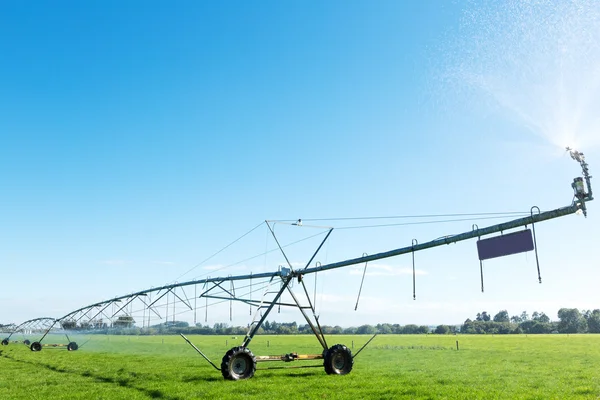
[410,329]
[442,330]
[284,330]
[336,330]
[273,328]
[423,329]
[517,330]
[571,321]
[290,328]
[220,328]
[593,321]
[504,327]
[535,327]
[326,329]
[524,316]
[384,329]
[366,330]
[483,316]
[516,319]
[467,327]
[502,316]
[540,317]
[203,330]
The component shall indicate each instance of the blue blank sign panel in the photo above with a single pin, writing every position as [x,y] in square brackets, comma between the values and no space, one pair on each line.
[499,246]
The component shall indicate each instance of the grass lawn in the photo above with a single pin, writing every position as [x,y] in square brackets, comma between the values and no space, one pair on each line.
[391,367]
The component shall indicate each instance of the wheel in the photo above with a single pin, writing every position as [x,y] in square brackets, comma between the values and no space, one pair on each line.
[4,342]
[36,346]
[338,360]
[238,363]
[26,342]
[72,346]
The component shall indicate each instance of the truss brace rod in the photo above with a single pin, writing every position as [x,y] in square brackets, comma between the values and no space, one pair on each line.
[316,330]
[414,242]
[231,301]
[100,312]
[361,283]
[186,297]
[559,212]
[48,330]
[365,345]
[319,248]
[150,308]
[537,260]
[217,284]
[315,291]
[199,352]
[125,305]
[253,331]
[278,245]
[162,295]
[312,307]
[183,301]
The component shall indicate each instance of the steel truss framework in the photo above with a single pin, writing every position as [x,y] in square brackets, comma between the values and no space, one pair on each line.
[37,326]
[264,291]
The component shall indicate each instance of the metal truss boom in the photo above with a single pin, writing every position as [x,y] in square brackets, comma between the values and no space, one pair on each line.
[450,239]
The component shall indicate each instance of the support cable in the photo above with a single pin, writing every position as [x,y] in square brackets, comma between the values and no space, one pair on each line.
[220,251]
[507,213]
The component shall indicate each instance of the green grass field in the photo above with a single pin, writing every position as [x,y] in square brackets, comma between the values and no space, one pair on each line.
[391,367]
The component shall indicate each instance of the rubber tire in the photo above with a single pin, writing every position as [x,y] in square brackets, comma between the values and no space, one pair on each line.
[72,346]
[4,342]
[238,363]
[36,346]
[338,360]
[26,342]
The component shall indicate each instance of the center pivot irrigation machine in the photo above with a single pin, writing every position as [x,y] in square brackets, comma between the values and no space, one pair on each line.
[33,327]
[166,302]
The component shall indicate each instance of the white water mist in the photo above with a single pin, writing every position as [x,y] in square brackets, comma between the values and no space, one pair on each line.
[536,61]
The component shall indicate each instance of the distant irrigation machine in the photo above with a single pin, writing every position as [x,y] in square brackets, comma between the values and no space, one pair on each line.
[35,326]
[239,362]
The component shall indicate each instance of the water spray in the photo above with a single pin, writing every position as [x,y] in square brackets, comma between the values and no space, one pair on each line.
[578,186]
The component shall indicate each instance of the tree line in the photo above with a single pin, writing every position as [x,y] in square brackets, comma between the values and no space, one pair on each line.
[219,328]
[570,320]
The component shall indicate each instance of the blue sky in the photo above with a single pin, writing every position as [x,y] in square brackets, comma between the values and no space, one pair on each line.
[139,138]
